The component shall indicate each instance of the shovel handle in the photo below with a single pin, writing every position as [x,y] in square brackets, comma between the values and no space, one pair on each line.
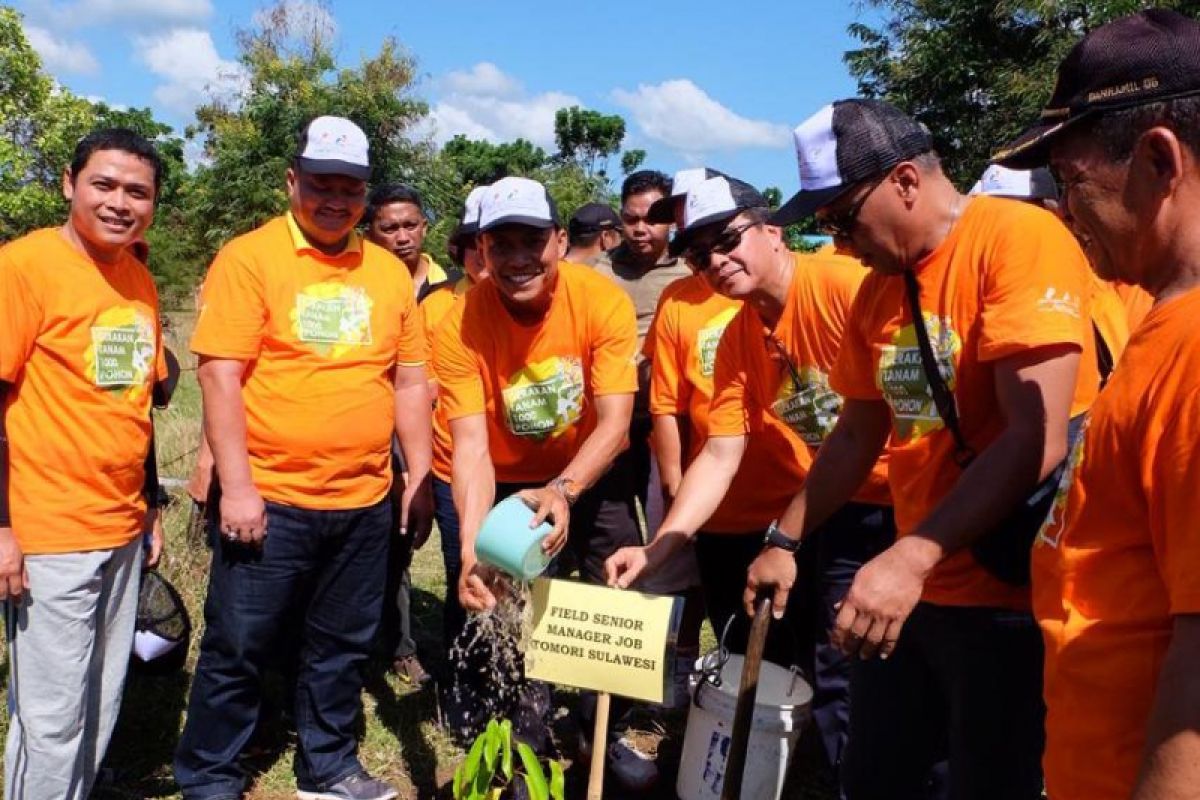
[743,717]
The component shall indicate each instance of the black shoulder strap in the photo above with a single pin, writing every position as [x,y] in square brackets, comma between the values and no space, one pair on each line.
[1104,357]
[943,398]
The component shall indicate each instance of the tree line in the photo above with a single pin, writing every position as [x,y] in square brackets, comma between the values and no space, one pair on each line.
[975,73]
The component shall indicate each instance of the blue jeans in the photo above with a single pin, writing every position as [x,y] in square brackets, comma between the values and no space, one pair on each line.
[322,571]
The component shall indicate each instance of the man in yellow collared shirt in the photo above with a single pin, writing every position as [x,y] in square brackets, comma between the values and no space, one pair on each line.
[312,355]
[396,221]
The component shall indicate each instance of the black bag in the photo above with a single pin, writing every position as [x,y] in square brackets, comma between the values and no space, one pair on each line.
[1005,550]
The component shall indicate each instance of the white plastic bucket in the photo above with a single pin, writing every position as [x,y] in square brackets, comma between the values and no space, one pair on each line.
[781,710]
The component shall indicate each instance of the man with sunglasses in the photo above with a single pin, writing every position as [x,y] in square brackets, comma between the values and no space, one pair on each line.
[771,409]
[1002,289]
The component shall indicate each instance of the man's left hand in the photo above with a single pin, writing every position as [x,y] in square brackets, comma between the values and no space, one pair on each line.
[416,511]
[153,538]
[884,593]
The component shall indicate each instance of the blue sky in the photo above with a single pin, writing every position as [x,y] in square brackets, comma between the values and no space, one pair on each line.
[697,82]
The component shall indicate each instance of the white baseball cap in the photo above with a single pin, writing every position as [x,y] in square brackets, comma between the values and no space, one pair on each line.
[518,201]
[334,146]
[662,210]
[1023,184]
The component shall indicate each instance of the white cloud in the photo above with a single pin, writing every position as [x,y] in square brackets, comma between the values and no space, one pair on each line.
[60,55]
[682,116]
[485,103]
[192,70]
[484,78]
[144,14]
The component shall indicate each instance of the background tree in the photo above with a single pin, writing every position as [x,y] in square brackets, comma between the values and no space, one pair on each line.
[631,160]
[588,137]
[289,76]
[975,73]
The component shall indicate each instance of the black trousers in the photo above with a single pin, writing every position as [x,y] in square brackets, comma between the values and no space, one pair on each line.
[964,684]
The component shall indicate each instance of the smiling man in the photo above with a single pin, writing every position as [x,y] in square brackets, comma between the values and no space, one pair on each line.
[311,356]
[1116,584]
[536,375]
[990,296]
[80,353]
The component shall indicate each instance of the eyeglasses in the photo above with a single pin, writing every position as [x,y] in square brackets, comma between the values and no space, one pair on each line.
[841,226]
[700,256]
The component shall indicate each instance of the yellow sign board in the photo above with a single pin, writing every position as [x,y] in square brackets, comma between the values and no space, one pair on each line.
[607,640]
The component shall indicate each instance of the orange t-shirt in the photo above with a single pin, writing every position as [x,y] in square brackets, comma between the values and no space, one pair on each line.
[687,330]
[536,384]
[434,308]
[755,380]
[1008,278]
[322,336]
[1137,302]
[81,346]
[1118,558]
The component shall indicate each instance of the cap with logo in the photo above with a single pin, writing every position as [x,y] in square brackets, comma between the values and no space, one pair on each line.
[662,211]
[517,201]
[711,201]
[469,225]
[334,146]
[1144,58]
[846,143]
[593,218]
[1024,184]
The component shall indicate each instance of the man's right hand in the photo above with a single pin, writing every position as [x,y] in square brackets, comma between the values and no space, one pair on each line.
[14,580]
[775,568]
[243,516]
[474,593]
[624,566]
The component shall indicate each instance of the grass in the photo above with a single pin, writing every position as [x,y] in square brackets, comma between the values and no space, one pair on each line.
[400,740]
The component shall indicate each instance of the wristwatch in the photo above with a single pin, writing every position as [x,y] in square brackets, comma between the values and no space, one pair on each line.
[568,487]
[777,538]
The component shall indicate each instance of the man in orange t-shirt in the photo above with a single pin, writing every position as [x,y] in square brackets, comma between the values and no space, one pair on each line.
[770,411]
[80,354]
[1002,290]
[1116,587]
[311,356]
[536,373]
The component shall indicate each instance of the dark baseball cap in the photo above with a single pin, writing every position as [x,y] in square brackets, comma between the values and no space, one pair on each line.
[711,201]
[662,210]
[593,218]
[846,143]
[1144,58]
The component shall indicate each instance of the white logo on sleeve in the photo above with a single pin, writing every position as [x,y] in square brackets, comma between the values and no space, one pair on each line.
[1054,302]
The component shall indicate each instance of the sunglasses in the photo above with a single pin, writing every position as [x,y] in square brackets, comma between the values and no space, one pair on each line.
[842,225]
[700,255]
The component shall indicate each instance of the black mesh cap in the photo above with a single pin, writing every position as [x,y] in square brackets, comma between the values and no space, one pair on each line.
[712,201]
[662,210]
[844,144]
[1144,58]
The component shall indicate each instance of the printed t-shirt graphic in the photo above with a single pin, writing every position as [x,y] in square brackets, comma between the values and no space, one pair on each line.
[759,384]
[1117,562]
[536,384]
[687,330]
[321,335]
[81,345]
[1008,278]
[434,308]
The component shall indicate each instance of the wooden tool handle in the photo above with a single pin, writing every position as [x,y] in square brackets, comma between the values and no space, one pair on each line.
[599,747]
[743,717]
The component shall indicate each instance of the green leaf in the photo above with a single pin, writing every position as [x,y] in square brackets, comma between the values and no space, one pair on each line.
[467,774]
[558,782]
[491,746]
[535,777]
[506,754]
